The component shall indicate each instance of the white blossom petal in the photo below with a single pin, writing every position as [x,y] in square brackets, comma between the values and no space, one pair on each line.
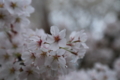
[54,46]
[62,43]
[62,33]
[54,30]
[50,39]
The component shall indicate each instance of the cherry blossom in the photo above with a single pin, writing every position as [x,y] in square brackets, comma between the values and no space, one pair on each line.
[103,73]
[9,71]
[56,60]
[57,39]
[30,73]
[27,54]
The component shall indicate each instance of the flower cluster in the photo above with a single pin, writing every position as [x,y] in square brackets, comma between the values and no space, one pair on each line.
[34,55]
[53,55]
[13,13]
[99,72]
[13,17]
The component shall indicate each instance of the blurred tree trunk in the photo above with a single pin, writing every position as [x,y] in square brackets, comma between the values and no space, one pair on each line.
[39,18]
[45,22]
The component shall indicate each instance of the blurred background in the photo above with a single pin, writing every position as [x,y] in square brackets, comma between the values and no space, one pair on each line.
[99,18]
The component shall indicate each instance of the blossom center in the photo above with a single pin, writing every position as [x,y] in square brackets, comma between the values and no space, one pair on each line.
[13,5]
[15,46]
[44,53]
[12,70]
[17,20]
[1,5]
[6,56]
[2,16]
[29,72]
[39,42]
[56,57]
[32,56]
[20,69]
[57,38]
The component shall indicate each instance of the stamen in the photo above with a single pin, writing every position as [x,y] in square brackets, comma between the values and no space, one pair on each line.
[57,38]
[44,53]
[39,42]
[1,5]
[12,70]
[17,20]
[29,72]
[2,16]
[56,57]
[13,5]
[6,56]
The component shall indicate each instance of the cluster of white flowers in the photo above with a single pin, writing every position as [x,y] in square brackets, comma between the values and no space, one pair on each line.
[13,13]
[99,72]
[13,17]
[53,55]
[34,55]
